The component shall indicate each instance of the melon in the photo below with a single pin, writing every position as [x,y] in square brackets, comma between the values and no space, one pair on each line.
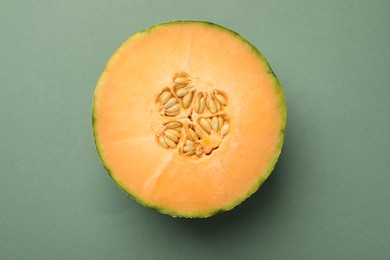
[188,118]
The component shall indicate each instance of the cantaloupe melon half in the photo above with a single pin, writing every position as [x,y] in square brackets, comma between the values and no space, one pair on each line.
[188,118]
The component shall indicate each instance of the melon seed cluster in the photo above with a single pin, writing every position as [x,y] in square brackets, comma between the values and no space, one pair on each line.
[195,122]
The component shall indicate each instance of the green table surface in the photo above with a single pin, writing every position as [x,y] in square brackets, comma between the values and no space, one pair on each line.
[328,198]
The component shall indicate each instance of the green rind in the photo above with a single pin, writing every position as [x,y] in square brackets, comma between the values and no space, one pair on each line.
[272,163]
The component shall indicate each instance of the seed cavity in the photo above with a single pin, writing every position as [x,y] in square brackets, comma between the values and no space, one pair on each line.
[196,122]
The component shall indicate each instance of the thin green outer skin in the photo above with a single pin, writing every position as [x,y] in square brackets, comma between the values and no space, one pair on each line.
[271,164]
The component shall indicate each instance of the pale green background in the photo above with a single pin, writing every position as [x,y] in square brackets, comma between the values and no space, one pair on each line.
[329,197]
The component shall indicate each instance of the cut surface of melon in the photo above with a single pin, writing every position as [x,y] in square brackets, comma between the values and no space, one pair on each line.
[188,118]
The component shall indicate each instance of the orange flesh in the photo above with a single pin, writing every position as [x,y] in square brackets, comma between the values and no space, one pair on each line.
[123,126]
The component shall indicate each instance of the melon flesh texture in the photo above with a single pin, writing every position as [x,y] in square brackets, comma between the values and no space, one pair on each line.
[164,179]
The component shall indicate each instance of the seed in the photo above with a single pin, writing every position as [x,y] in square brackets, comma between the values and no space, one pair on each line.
[197,104]
[220,121]
[192,135]
[169,142]
[190,153]
[205,124]
[180,80]
[177,86]
[182,92]
[188,148]
[173,124]
[199,150]
[171,102]
[202,105]
[225,128]
[214,123]
[174,108]
[165,96]
[217,104]
[171,136]
[173,132]
[221,99]
[162,141]
[198,132]
[175,113]
[211,105]
[187,100]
